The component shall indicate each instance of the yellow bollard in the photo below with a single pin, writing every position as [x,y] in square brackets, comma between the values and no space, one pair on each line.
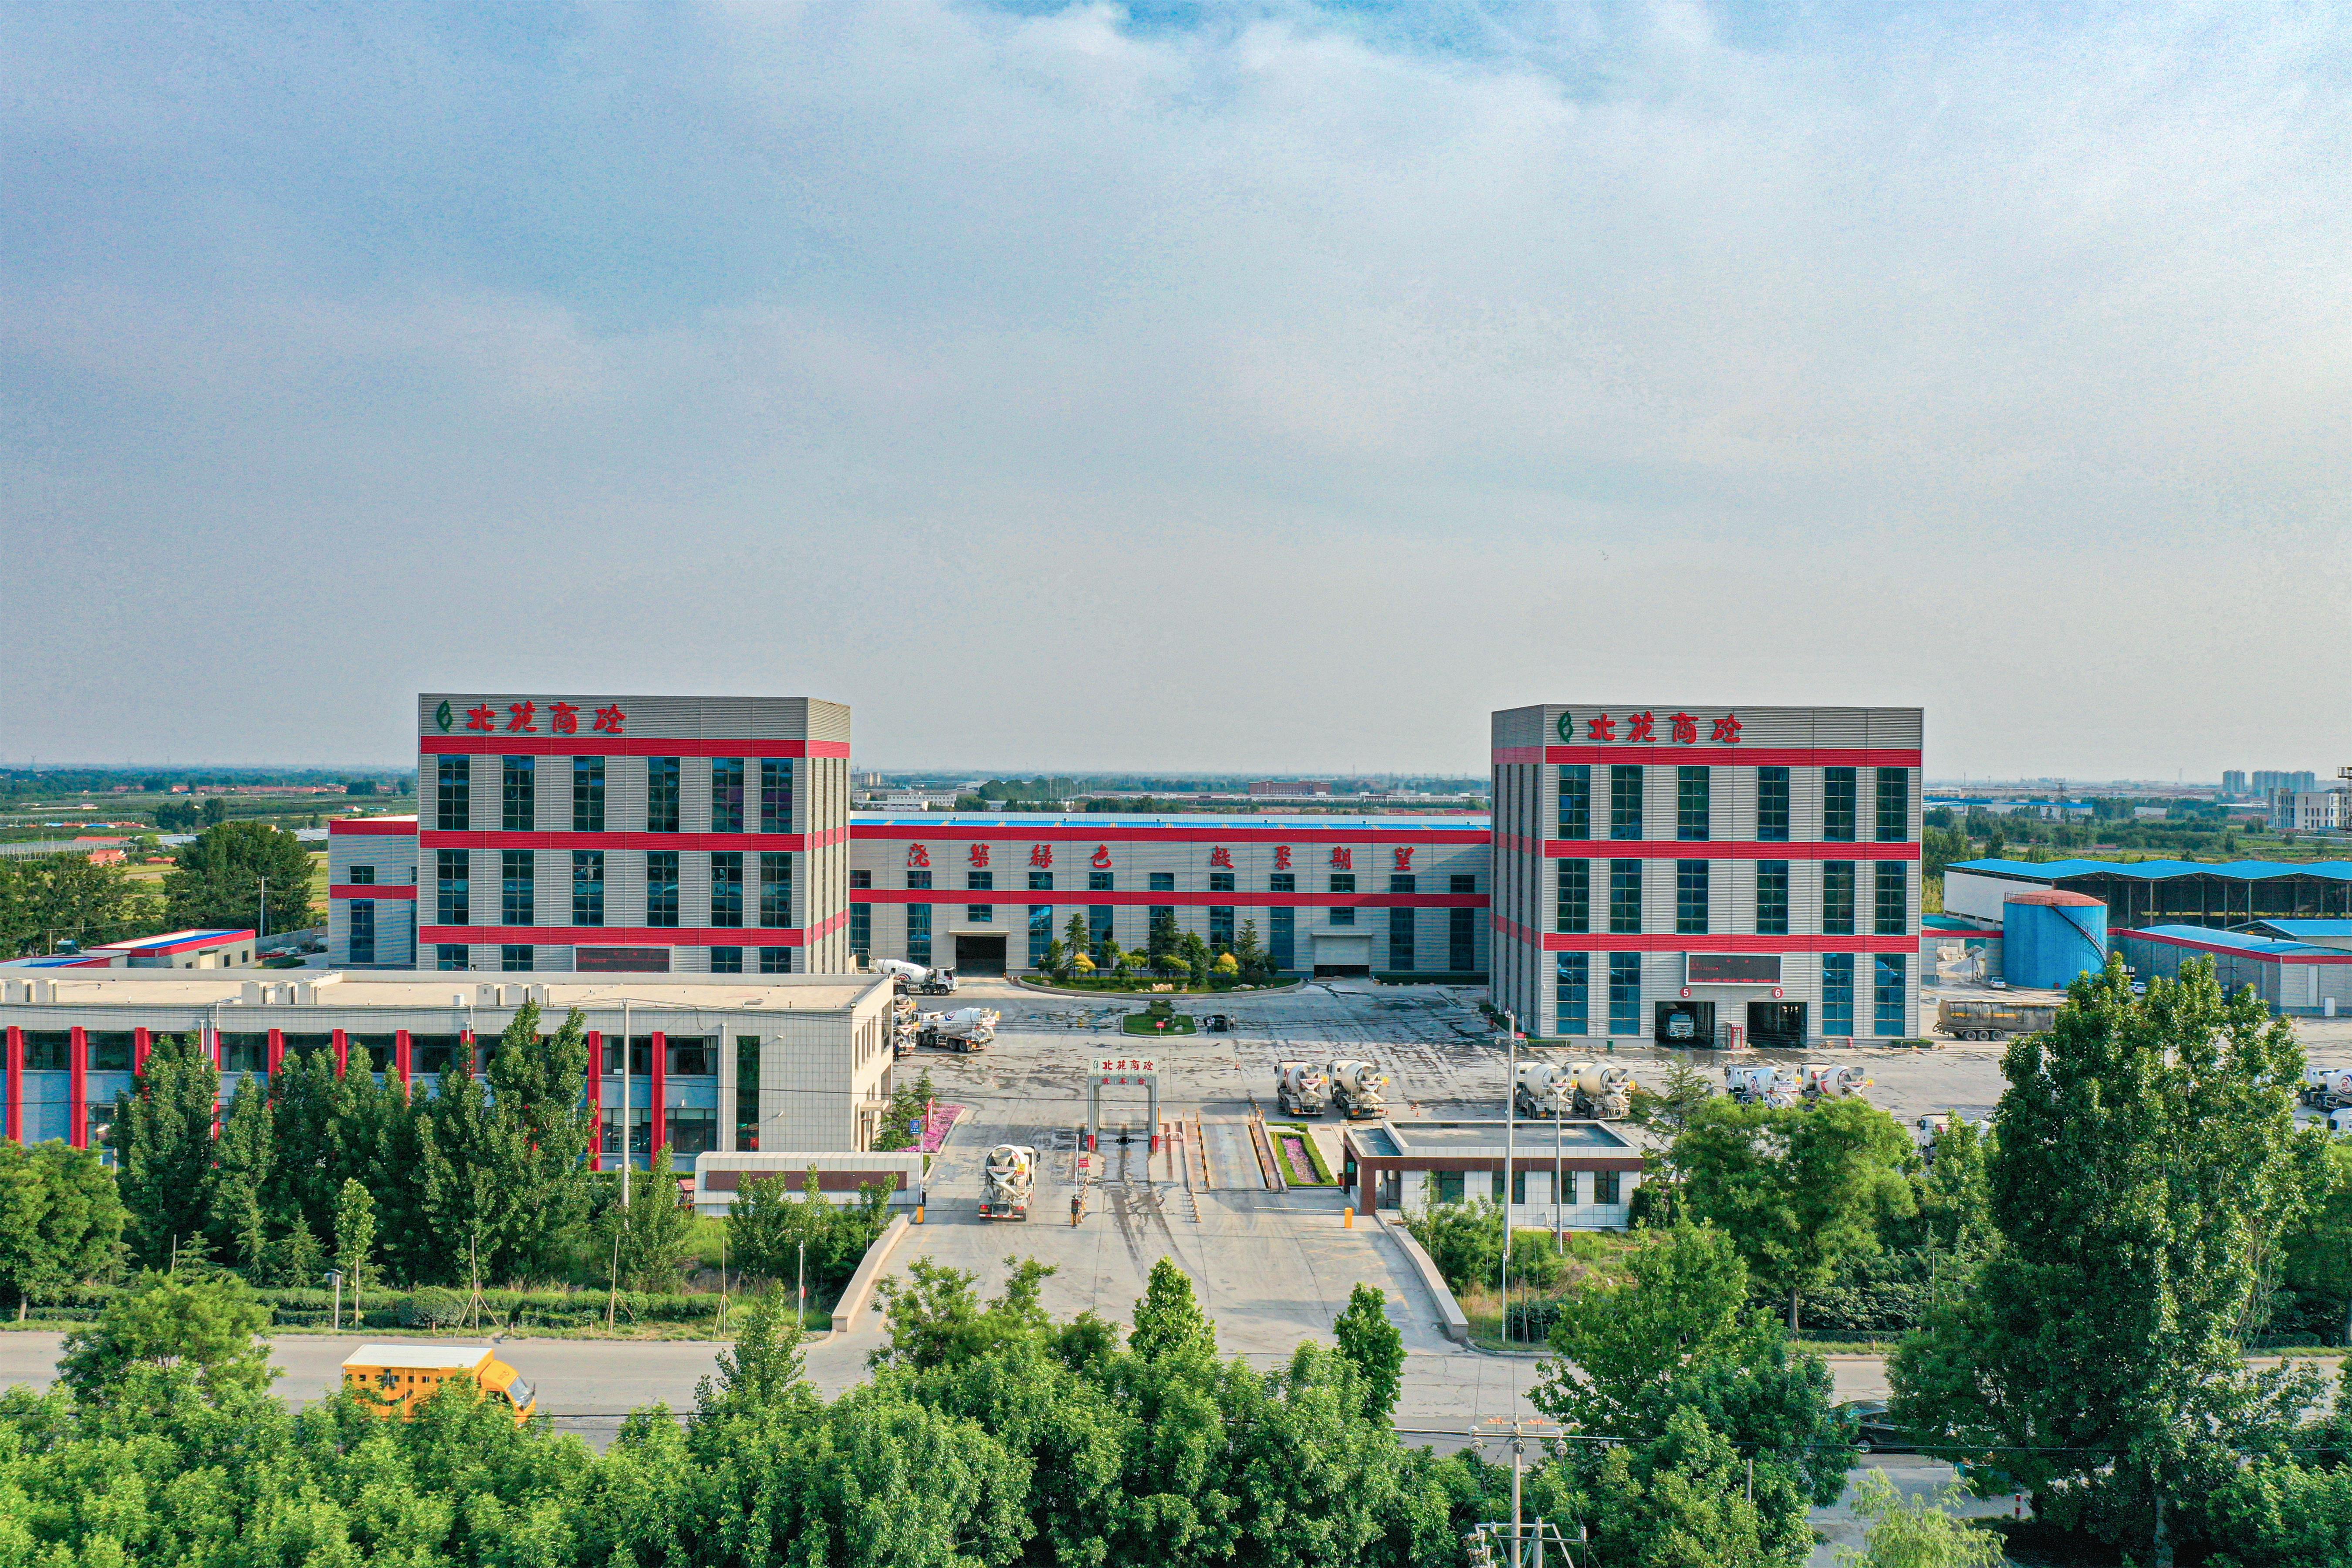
[1347,1217]
[918,1213]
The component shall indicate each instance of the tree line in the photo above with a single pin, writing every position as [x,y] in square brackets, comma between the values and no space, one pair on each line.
[50,901]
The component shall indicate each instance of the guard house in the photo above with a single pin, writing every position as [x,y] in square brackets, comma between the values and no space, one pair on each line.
[1408,1167]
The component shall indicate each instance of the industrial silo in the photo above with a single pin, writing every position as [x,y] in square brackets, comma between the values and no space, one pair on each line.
[2048,937]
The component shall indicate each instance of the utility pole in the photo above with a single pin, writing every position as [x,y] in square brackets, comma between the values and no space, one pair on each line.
[1519,1432]
[1510,1147]
[628,1054]
[264,912]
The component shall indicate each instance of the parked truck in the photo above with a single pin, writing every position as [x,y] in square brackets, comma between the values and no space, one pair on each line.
[1301,1089]
[1355,1089]
[1605,1091]
[2326,1088]
[1994,1020]
[915,978]
[1008,1179]
[965,1029]
[1545,1089]
[1754,1085]
[1822,1081]
[399,1379]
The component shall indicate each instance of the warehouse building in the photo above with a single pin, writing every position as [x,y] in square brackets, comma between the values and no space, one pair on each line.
[2306,979]
[1578,1176]
[786,1062]
[1705,874]
[2144,893]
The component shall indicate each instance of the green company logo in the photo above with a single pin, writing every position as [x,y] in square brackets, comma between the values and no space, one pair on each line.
[1566,725]
[443,716]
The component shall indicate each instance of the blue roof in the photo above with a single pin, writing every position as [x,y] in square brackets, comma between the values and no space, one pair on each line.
[2306,931]
[2243,942]
[1957,924]
[2156,870]
[1016,821]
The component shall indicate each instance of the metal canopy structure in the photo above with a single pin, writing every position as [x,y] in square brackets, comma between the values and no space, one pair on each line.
[1121,1072]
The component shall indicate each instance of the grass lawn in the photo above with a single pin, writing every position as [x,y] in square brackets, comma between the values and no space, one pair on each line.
[1145,1023]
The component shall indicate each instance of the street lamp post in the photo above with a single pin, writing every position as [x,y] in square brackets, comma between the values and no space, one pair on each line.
[1510,1149]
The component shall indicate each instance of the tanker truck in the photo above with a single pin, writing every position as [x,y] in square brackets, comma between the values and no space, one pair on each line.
[965,1029]
[1355,1089]
[1761,1085]
[1604,1093]
[1008,1178]
[1546,1089]
[1301,1089]
[1825,1082]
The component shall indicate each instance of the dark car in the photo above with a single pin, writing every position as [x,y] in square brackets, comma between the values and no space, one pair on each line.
[1217,1023]
[1874,1432]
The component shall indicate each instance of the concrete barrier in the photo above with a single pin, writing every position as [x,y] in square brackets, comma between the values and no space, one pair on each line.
[860,1289]
[1449,1316]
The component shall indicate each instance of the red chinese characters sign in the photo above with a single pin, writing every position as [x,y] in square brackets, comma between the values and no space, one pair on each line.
[917,856]
[1641,728]
[1040,854]
[979,855]
[522,718]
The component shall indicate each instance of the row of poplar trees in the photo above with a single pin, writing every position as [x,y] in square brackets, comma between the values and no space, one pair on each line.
[484,1182]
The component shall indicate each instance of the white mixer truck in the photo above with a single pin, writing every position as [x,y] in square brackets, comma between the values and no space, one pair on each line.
[965,1029]
[1759,1083]
[914,978]
[1007,1180]
[1822,1081]
[1355,1089]
[1301,1089]
[1605,1091]
[1546,1089]
[2326,1088]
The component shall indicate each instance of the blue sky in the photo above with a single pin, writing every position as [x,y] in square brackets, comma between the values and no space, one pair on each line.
[1189,386]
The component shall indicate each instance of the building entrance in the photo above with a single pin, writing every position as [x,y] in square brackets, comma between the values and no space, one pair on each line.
[1776,1025]
[1685,1024]
[979,954]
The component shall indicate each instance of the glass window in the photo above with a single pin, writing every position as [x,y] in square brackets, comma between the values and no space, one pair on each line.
[1625,897]
[452,884]
[430,1055]
[1400,939]
[1400,882]
[1571,994]
[1162,882]
[726,888]
[691,1056]
[361,876]
[514,957]
[1893,911]
[1221,928]
[1098,881]
[1624,801]
[776,888]
[587,886]
[587,794]
[1694,803]
[726,795]
[979,914]
[1462,941]
[449,955]
[1343,916]
[1041,933]
[979,881]
[1626,993]
[238,1053]
[726,961]
[1097,924]
[1221,882]
[779,959]
[1282,938]
[1041,881]
[919,933]
[775,794]
[1463,882]
[1282,881]
[1837,993]
[519,794]
[1690,898]
[661,887]
[1772,804]
[1837,804]
[661,795]
[1575,801]
[861,929]
[1573,904]
[1889,974]
[518,873]
[453,809]
[1343,881]
[919,879]
[1605,1187]
[747,1084]
[1772,898]
[1893,805]
[1837,897]
[861,879]
[360,921]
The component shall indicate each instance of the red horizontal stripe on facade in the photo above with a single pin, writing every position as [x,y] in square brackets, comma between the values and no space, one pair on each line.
[375,827]
[1720,756]
[620,936]
[1078,898]
[437,839]
[1719,849]
[372,890]
[520,746]
[829,925]
[1446,838]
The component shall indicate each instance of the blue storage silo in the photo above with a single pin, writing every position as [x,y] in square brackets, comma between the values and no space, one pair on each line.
[2048,937]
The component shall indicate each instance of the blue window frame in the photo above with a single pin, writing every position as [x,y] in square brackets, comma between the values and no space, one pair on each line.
[587,886]
[1837,897]
[1837,993]
[1694,803]
[1772,804]
[1837,804]
[1221,928]
[661,795]
[1772,898]
[1893,805]
[1400,939]
[1890,974]
[360,915]
[775,887]
[727,888]
[727,801]
[779,961]
[1625,995]
[453,887]
[518,871]
[1462,941]
[1892,908]
[1282,937]
[919,933]
[1575,814]
[1624,801]
[861,930]
[775,794]
[661,887]
[1625,898]
[519,794]
[1690,898]
[1098,923]
[1571,994]
[453,793]
[726,961]
[1572,901]
[1041,933]
[587,794]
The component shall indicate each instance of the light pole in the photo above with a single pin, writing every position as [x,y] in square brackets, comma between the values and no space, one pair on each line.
[628,1053]
[1510,1149]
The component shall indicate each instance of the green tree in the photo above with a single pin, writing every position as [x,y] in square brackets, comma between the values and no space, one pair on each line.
[354,1237]
[2318,1253]
[476,1181]
[1073,937]
[1194,954]
[217,880]
[235,1209]
[763,1369]
[1159,946]
[653,1231]
[1918,1532]
[2143,1175]
[1680,1500]
[536,1082]
[162,1142]
[1375,1347]
[304,1097]
[1799,1189]
[1249,952]
[205,1330]
[49,900]
[215,811]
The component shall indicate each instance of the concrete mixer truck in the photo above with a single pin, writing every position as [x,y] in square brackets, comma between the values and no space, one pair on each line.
[1355,1089]
[1822,1081]
[2326,1088]
[1755,1085]
[1545,1089]
[965,1029]
[914,978]
[1301,1089]
[1007,1179]
[1605,1091]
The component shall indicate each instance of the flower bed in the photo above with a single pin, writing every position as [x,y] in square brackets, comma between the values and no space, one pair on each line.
[1302,1161]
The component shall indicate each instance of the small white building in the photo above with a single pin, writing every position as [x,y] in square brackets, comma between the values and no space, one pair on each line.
[1409,1167]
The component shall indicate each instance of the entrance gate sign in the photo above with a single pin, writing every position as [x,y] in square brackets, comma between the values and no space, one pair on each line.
[1121,1072]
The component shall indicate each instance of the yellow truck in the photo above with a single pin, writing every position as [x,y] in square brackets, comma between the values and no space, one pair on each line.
[400,1378]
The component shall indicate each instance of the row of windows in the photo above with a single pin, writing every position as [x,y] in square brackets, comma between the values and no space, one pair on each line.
[1282,933]
[1572,904]
[1572,992]
[519,794]
[1694,803]
[521,958]
[1165,882]
[1448,1186]
[518,880]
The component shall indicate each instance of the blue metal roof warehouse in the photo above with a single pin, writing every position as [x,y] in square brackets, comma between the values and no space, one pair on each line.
[2142,893]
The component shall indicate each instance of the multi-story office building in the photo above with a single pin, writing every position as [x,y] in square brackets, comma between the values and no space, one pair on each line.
[607,834]
[1675,872]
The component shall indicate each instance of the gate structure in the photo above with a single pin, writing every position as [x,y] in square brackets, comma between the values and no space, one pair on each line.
[1121,1072]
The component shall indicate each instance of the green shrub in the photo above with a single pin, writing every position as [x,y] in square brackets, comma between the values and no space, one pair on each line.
[433,1308]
